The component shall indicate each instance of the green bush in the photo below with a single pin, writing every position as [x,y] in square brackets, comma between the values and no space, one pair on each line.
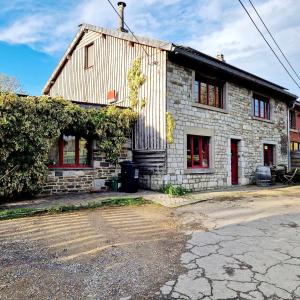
[28,126]
[173,190]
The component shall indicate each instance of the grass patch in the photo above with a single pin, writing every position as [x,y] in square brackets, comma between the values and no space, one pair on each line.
[26,212]
[173,190]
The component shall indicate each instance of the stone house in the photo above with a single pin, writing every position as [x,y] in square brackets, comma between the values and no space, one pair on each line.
[206,124]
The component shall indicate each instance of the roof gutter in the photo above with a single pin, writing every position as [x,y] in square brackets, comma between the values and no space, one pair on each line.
[233,71]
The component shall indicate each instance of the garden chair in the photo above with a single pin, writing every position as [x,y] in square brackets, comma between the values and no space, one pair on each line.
[289,178]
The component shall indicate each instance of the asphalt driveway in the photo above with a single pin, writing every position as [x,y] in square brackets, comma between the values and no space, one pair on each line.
[246,248]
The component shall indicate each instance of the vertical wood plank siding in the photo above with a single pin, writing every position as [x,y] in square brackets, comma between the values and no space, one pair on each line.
[113,58]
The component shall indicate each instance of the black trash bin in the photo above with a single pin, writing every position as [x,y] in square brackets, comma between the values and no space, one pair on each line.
[129,177]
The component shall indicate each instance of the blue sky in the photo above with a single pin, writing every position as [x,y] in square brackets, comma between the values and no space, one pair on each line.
[34,34]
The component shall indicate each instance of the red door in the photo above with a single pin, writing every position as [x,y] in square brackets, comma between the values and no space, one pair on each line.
[234,162]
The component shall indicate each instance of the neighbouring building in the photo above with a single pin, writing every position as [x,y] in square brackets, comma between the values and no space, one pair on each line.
[295,135]
[226,121]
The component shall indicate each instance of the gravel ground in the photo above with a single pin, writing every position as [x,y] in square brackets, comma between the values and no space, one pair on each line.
[101,254]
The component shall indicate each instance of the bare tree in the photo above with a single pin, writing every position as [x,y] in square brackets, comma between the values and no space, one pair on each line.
[10,84]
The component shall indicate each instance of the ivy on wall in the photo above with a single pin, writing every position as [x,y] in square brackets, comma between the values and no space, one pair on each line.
[135,80]
[170,127]
[28,126]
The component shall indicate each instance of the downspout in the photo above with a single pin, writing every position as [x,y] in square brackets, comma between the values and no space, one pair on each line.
[288,134]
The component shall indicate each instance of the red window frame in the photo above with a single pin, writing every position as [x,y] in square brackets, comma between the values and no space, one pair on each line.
[268,155]
[77,155]
[218,96]
[262,102]
[203,142]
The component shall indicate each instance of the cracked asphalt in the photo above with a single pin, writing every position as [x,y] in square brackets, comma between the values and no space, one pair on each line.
[243,249]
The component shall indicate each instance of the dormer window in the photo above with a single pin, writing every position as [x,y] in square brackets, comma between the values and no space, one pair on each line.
[89,56]
[208,91]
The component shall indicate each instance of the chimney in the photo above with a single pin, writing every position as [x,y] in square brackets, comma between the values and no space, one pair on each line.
[121,6]
[220,57]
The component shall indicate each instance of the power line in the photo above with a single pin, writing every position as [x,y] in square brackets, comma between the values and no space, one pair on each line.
[274,40]
[128,27]
[269,44]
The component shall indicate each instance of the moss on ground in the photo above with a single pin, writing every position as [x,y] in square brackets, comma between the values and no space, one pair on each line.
[26,212]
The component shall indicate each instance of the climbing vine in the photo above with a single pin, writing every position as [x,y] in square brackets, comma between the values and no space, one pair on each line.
[135,80]
[28,126]
[170,128]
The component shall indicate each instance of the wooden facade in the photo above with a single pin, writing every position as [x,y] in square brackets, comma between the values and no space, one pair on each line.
[113,57]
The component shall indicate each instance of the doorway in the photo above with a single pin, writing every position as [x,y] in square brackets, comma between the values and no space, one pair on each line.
[234,162]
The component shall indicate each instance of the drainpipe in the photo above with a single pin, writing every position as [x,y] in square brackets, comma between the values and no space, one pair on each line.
[288,129]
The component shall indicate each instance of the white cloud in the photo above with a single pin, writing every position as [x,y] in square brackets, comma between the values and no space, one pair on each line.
[210,26]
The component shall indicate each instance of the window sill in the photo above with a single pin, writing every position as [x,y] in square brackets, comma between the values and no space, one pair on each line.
[262,120]
[199,171]
[52,168]
[294,130]
[221,110]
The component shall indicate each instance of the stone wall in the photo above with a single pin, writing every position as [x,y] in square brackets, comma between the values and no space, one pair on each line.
[94,178]
[236,121]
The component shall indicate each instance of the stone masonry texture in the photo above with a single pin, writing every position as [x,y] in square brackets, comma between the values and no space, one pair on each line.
[95,178]
[236,121]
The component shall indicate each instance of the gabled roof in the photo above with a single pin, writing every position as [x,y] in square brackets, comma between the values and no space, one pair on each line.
[115,33]
[173,49]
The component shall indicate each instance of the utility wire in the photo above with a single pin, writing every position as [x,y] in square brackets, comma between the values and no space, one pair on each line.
[269,44]
[274,40]
[128,27]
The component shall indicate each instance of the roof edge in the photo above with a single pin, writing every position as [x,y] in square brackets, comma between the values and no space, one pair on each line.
[167,46]
[215,63]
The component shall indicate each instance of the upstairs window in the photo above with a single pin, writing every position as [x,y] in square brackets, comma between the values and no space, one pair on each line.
[70,151]
[295,146]
[268,155]
[197,151]
[292,119]
[208,92]
[89,56]
[261,107]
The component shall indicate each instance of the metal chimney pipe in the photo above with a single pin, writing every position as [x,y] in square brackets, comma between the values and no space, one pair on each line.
[121,6]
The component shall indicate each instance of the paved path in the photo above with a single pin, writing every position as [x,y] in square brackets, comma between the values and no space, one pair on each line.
[43,202]
[245,249]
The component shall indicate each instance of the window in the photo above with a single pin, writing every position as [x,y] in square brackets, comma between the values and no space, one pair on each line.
[208,92]
[261,107]
[292,120]
[295,146]
[89,56]
[197,151]
[268,155]
[70,151]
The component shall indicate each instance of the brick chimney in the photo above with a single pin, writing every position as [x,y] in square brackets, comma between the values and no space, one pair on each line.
[220,57]
[121,6]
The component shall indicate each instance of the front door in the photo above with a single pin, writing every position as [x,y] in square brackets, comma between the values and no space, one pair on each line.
[234,162]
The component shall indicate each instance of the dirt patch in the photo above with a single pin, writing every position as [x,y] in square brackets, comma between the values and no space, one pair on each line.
[106,253]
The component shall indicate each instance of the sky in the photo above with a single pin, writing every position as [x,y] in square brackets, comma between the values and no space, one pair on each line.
[34,34]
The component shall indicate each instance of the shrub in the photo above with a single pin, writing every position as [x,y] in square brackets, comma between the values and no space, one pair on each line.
[173,190]
[28,126]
